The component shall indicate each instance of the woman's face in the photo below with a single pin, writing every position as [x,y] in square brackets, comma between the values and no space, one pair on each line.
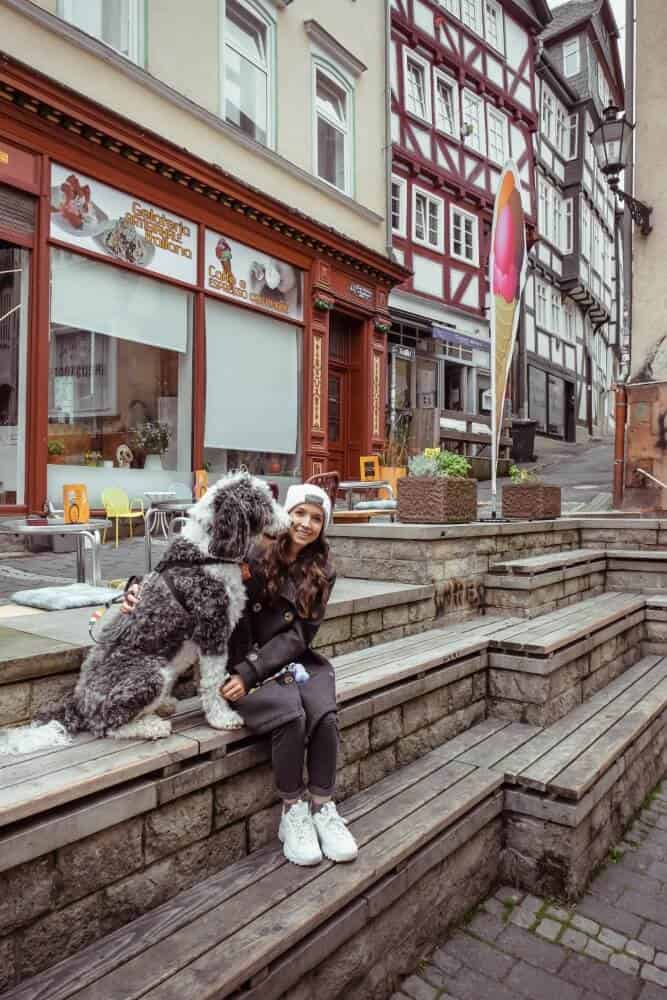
[307,524]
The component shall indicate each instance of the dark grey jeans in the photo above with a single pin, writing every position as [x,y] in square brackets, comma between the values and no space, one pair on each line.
[288,755]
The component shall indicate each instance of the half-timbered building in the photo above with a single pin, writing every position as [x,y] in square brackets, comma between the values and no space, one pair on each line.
[463,102]
[571,323]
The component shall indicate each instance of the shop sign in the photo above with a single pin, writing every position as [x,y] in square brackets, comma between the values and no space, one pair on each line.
[92,216]
[252,277]
[362,292]
[453,337]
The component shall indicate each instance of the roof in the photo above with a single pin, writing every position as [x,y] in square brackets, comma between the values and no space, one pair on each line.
[599,14]
[568,15]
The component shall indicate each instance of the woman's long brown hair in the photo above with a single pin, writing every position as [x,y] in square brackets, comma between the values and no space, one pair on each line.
[308,572]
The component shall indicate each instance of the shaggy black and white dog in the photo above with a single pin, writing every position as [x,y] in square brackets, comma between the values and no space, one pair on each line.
[188,609]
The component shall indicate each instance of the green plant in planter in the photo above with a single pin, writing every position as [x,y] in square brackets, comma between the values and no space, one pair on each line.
[55,448]
[521,477]
[434,462]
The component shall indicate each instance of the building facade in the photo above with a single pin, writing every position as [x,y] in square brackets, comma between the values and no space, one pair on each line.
[570,324]
[463,102]
[176,246]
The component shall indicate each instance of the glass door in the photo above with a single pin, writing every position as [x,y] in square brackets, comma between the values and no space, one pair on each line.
[14,306]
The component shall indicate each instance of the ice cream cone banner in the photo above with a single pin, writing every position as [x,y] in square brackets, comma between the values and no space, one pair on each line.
[507,276]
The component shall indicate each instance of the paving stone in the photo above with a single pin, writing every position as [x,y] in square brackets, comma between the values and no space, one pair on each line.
[479,956]
[419,989]
[540,985]
[574,939]
[652,992]
[653,974]
[637,949]
[644,906]
[589,927]
[507,892]
[531,949]
[612,984]
[495,907]
[654,934]
[597,950]
[549,929]
[435,976]
[449,965]
[486,926]
[558,913]
[625,963]
[610,916]
[469,985]
[612,939]
[660,960]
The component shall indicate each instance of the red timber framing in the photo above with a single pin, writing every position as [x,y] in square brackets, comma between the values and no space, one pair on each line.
[440,162]
[42,121]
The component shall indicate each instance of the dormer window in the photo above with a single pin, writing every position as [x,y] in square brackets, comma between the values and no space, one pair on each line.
[571,60]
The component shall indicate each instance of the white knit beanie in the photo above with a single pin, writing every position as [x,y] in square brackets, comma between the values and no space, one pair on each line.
[308,493]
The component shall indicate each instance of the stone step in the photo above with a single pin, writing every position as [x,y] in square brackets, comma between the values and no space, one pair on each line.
[40,654]
[540,584]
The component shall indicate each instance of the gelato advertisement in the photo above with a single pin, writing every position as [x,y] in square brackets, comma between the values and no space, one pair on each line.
[251,277]
[92,216]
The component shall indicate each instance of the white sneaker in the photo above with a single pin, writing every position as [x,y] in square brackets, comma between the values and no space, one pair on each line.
[298,837]
[337,842]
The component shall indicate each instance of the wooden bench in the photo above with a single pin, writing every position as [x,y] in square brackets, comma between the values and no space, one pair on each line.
[261,925]
[540,584]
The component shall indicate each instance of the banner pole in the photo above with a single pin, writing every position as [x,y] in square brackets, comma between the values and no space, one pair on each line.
[494,432]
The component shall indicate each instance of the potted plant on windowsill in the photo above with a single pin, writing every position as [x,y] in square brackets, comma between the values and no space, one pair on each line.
[56,452]
[529,499]
[152,438]
[437,490]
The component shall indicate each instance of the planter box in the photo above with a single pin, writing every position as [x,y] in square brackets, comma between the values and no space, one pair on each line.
[531,501]
[437,500]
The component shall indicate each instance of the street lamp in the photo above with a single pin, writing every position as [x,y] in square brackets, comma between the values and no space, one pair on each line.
[612,142]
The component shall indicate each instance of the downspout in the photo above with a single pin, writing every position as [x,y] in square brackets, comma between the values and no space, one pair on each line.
[620,415]
[387,126]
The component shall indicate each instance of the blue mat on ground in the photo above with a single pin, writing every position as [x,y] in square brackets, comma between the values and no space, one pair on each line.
[73,595]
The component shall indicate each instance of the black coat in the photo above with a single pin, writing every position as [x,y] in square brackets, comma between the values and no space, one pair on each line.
[270,635]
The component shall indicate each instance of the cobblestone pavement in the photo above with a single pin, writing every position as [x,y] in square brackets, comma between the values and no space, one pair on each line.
[611,944]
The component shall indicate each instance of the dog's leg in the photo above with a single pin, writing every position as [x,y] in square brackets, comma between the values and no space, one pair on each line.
[213,674]
[147,727]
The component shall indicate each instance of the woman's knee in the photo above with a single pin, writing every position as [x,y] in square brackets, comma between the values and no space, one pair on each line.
[294,730]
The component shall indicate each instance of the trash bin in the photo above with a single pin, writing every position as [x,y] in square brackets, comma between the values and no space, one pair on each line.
[523,439]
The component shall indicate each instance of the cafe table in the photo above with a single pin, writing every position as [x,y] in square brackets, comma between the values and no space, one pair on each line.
[88,531]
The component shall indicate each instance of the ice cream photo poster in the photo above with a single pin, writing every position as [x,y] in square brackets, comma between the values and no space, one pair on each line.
[507,276]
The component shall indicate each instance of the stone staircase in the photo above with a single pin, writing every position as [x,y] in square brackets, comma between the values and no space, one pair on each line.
[499,746]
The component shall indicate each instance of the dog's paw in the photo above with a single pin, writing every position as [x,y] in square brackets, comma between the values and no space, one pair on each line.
[224,717]
[167,708]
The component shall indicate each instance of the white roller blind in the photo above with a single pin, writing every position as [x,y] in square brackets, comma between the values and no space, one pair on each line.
[88,295]
[252,381]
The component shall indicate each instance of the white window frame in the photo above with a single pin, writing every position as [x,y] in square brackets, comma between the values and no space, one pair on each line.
[474,21]
[569,322]
[556,312]
[572,53]
[456,210]
[568,225]
[449,81]
[258,11]
[136,28]
[499,43]
[556,219]
[402,184]
[547,112]
[541,318]
[493,114]
[431,199]
[573,131]
[453,6]
[475,99]
[543,207]
[585,242]
[409,55]
[339,81]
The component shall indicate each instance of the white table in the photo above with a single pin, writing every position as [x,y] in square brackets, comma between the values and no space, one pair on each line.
[353,486]
[159,520]
[90,531]
[161,509]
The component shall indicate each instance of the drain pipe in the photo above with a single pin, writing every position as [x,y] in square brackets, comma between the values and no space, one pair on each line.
[620,417]
[387,125]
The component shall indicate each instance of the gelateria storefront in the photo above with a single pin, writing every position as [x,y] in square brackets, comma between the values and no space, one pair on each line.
[122,392]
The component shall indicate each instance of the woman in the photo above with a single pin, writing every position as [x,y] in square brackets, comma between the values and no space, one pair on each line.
[279,685]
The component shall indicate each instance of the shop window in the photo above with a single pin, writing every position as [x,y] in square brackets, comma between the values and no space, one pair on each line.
[399,187]
[417,83]
[247,77]
[464,241]
[333,130]
[427,219]
[571,60]
[446,104]
[493,25]
[253,392]
[497,133]
[120,361]
[118,23]
[14,312]
[473,122]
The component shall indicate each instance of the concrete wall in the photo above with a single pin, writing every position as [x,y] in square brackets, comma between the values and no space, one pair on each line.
[183,52]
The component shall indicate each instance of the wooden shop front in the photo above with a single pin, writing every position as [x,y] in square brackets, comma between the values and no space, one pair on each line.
[157,316]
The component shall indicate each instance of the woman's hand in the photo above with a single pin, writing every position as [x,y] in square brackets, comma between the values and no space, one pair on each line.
[132,598]
[233,689]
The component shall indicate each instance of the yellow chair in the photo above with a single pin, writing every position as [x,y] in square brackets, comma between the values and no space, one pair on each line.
[117,505]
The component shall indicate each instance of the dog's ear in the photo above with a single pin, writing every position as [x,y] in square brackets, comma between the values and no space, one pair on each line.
[230,528]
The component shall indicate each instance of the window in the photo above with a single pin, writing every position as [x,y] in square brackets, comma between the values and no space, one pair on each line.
[247,70]
[427,219]
[557,217]
[567,245]
[541,309]
[603,86]
[332,130]
[544,205]
[417,86]
[497,135]
[446,105]
[585,248]
[398,205]
[547,113]
[572,137]
[453,6]
[118,23]
[473,121]
[556,308]
[571,60]
[14,324]
[561,129]
[471,14]
[464,242]
[493,25]
[570,330]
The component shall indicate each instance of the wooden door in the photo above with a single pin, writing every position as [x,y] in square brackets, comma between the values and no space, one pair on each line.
[345,395]
[338,411]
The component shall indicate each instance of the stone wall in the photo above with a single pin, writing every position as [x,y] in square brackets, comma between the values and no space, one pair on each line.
[530,596]
[211,814]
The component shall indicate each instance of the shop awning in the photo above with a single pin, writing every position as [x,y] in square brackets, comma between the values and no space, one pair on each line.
[450,336]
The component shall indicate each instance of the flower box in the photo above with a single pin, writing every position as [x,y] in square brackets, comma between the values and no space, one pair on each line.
[437,500]
[531,501]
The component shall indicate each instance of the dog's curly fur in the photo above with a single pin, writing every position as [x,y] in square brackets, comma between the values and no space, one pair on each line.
[188,609]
